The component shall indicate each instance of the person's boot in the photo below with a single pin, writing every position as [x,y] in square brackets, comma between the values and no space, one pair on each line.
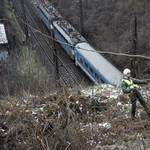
[132,118]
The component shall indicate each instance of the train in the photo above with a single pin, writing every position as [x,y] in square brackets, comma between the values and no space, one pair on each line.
[93,64]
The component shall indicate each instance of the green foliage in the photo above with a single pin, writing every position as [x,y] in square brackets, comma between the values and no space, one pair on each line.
[16,30]
[28,63]
[79,92]
[98,105]
[132,137]
[8,4]
[71,105]
[111,100]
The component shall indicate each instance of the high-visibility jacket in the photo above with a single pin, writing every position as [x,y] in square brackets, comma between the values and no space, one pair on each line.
[130,84]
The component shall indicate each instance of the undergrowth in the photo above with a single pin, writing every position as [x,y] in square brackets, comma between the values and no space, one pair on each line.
[67,121]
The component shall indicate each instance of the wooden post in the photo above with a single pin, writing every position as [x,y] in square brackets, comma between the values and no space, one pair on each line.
[55,56]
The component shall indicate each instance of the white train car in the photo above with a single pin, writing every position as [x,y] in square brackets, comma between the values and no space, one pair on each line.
[97,68]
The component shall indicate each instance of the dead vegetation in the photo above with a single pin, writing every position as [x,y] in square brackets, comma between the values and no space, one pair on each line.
[68,121]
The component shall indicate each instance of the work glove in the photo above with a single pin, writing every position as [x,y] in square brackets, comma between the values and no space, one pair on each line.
[133,89]
[147,80]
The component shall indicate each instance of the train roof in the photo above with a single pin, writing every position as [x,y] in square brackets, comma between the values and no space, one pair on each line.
[66,29]
[3,37]
[49,11]
[112,74]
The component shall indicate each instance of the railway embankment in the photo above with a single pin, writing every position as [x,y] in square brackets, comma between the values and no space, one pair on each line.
[95,117]
[10,35]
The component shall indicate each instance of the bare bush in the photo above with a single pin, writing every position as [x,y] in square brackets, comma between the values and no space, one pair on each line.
[66,121]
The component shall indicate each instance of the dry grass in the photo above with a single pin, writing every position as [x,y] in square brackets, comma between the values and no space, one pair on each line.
[72,122]
[58,122]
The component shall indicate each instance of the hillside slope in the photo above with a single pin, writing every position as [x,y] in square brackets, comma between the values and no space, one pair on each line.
[109,26]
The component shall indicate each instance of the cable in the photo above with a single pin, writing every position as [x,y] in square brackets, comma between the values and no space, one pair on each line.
[92,50]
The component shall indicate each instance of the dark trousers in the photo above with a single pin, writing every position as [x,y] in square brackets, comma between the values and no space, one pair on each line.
[133,102]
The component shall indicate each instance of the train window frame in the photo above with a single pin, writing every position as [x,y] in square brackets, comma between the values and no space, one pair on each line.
[102,81]
[91,70]
[97,76]
[58,31]
[86,65]
[81,60]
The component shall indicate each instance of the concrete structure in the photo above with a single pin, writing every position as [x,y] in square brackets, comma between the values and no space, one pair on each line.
[3,43]
[3,38]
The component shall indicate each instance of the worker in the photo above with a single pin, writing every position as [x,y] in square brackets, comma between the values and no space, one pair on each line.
[128,86]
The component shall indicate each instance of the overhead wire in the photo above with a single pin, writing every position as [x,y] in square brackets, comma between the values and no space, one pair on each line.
[87,29]
[92,50]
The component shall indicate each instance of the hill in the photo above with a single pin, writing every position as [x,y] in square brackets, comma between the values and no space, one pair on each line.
[109,26]
[88,119]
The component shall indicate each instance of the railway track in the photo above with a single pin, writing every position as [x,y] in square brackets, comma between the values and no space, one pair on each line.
[68,72]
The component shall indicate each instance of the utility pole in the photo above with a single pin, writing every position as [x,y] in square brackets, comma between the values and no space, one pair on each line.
[135,49]
[25,20]
[81,18]
[55,58]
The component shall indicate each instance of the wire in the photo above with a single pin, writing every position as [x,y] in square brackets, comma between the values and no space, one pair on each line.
[92,50]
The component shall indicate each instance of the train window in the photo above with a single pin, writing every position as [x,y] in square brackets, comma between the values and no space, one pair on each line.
[65,40]
[102,81]
[96,76]
[91,70]
[56,29]
[86,65]
[81,60]
[59,32]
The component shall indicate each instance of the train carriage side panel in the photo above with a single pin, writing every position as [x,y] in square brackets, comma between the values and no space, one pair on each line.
[44,18]
[64,38]
[102,65]
[89,69]
[48,14]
